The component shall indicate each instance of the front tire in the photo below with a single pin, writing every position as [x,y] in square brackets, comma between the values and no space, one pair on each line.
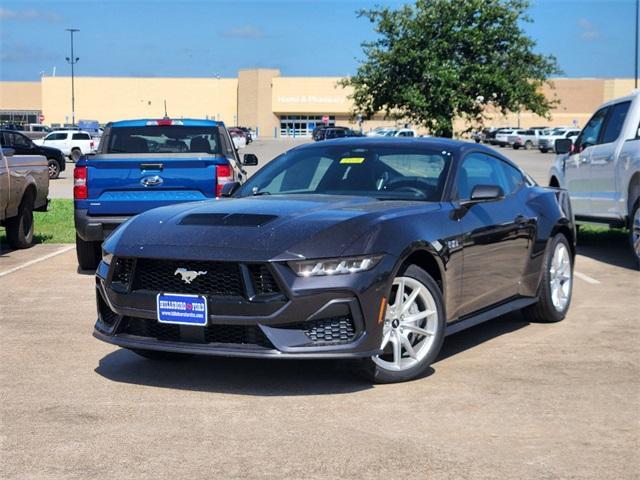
[54,169]
[528,144]
[88,254]
[20,228]
[544,150]
[413,329]
[554,294]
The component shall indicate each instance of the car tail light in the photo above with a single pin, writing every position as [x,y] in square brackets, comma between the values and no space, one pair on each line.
[80,191]
[91,144]
[223,175]
[164,122]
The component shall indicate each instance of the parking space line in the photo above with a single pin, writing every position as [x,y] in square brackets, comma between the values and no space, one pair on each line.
[586,278]
[36,260]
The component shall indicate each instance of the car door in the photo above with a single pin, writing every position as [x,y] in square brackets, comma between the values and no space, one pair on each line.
[56,140]
[21,144]
[495,234]
[576,166]
[601,166]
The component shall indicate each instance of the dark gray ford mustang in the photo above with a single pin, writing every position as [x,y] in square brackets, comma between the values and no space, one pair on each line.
[365,249]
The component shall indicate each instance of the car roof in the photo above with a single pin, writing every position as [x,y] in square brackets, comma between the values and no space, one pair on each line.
[67,131]
[456,147]
[187,122]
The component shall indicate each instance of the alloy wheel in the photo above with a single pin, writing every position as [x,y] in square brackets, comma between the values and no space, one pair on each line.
[560,277]
[635,232]
[409,327]
[53,169]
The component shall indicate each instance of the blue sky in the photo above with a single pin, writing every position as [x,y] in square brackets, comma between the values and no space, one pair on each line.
[590,38]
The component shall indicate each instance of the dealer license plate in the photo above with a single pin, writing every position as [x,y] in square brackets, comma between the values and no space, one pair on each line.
[182,309]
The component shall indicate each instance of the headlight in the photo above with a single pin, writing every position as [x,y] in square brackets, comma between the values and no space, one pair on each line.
[107,257]
[334,266]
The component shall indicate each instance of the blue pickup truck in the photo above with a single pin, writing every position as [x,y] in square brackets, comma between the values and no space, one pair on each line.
[143,164]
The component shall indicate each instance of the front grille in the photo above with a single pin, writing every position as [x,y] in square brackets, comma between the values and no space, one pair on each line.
[224,334]
[263,281]
[122,271]
[216,278]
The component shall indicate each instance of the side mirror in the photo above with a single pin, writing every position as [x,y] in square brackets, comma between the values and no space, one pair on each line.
[563,145]
[484,193]
[8,152]
[249,160]
[229,188]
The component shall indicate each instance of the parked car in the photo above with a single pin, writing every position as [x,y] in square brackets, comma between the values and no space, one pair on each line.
[249,135]
[501,137]
[319,132]
[525,139]
[379,131]
[371,250]
[601,170]
[238,136]
[143,164]
[24,186]
[72,143]
[35,130]
[547,143]
[25,146]
[401,132]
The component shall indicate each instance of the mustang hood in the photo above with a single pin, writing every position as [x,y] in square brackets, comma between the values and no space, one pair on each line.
[257,228]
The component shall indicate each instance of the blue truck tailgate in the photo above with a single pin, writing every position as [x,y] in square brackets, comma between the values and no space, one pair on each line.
[128,185]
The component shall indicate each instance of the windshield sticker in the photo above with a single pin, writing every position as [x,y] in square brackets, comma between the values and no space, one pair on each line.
[352,160]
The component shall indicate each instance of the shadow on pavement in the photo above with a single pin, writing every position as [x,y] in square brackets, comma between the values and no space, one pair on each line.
[608,246]
[5,248]
[272,377]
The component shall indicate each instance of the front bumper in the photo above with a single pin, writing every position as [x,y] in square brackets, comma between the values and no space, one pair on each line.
[323,317]
[96,228]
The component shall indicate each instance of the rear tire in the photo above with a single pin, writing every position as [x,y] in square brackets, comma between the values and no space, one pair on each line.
[54,169]
[413,343]
[88,254]
[75,155]
[516,146]
[20,228]
[158,355]
[556,286]
[544,150]
[634,231]
[528,144]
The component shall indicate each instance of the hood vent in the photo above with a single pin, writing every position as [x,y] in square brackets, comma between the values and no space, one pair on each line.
[227,219]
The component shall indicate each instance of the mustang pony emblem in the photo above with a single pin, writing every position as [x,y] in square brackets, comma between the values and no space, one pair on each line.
[188,276]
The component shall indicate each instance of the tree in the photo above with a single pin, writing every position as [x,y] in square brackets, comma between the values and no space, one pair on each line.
[443,59]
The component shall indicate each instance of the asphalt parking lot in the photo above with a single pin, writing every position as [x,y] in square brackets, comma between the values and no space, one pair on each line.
[506,399]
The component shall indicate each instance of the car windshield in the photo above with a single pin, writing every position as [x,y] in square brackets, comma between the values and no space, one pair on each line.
[384,172]
[164,139]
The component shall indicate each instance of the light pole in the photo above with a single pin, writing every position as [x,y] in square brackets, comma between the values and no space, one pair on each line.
[636,49]
[72,60]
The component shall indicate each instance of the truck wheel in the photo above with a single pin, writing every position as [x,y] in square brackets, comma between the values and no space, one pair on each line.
[75,155]
[20,227]
[516,146]
[88,254]
[634,227]
[528,144]
[544,150]
[54,169]
[554,293]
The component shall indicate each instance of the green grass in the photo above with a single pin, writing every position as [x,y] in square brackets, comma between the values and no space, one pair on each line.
[54,226]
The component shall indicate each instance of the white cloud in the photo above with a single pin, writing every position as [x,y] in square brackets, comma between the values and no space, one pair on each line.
[29,15]
[588,31]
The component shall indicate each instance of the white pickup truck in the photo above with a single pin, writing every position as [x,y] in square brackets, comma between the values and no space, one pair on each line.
[72,143]
[601,169]
[24,186]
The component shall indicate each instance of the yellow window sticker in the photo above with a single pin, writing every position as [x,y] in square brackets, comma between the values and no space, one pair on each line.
[352,160]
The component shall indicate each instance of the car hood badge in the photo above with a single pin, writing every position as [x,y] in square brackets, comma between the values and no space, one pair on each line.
[188,276]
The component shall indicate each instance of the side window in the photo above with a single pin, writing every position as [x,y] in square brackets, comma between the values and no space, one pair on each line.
[617,115]
[20,141]
[81,136]
[513,177]
[480,169]
[227,147]
[591,131]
